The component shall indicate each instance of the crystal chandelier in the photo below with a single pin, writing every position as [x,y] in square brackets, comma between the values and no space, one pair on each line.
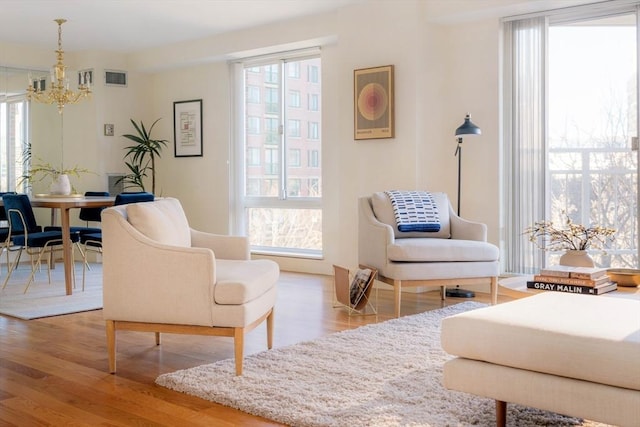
[59,93]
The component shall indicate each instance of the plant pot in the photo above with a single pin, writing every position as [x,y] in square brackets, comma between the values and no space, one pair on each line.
[60,185]
[577,259]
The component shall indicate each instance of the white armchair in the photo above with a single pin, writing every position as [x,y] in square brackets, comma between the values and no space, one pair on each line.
[162,276]
[457,254]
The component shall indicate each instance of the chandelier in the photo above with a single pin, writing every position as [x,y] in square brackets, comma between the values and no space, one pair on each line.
[59,93]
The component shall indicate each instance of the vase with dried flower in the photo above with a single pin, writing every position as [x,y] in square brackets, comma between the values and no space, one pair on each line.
[60,183]
[573,238]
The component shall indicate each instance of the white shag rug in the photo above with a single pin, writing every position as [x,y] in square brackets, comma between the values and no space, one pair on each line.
[385,374]
[44,299]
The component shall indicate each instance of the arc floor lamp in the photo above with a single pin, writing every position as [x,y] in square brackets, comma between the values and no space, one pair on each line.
[466,128]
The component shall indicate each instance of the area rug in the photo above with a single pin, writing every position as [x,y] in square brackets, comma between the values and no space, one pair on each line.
[46,300]
[385,374]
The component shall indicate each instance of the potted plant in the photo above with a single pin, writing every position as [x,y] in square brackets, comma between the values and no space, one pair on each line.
[142,156]
[59,177]
[573,238]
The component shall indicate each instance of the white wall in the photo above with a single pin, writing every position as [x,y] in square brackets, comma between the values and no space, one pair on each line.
[201,183]
[442,71]
[472,86]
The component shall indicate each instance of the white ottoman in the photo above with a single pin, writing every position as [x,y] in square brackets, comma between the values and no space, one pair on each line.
[577,355]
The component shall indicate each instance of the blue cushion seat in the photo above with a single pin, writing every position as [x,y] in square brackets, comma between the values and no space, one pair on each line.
[85,230]
[74,229]
[91,239]
[39,240]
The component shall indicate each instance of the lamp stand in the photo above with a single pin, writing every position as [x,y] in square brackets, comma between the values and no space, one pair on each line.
[458,154]
[457,292]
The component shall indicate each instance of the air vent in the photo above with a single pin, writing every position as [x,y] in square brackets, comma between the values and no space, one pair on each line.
[115,78]
[116,185]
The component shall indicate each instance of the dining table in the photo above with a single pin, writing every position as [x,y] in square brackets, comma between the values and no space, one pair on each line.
[63,205]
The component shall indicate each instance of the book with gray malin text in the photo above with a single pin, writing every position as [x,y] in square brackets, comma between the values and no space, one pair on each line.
[573,289]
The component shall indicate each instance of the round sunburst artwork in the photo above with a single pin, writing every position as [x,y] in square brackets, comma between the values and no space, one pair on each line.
[372,101]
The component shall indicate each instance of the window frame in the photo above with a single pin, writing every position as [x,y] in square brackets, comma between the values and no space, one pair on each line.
[524,165]
[241,201]
[13,153]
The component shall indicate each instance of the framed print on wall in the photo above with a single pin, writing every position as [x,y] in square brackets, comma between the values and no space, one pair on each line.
[373,103]
[187,128]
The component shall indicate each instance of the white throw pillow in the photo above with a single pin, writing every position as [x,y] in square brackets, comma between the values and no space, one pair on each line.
[383,210]
[162,220]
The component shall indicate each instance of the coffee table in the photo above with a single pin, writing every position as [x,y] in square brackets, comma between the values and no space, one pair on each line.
[516,287]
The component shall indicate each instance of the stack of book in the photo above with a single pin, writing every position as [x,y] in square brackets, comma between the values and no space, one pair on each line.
[576,280]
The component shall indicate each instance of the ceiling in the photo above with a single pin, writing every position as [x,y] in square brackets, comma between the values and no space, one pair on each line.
[134,25]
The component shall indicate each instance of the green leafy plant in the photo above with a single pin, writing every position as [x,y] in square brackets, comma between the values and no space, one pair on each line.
[142,157]
[569,235]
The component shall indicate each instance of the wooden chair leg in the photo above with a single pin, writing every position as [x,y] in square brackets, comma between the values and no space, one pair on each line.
[501,413]
[111,345]
[270,330]
[157,338]
[443,293]
[494,290]
[238,344]
[397,294]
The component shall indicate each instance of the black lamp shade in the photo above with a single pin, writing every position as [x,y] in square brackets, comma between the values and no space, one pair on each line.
[468,128]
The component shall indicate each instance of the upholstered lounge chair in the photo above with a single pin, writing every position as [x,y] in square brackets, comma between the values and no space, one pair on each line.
[162,276]
[457,254]
[91,240]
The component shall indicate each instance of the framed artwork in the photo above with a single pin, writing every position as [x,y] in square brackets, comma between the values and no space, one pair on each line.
[187,128]
[85,77]
[373,103]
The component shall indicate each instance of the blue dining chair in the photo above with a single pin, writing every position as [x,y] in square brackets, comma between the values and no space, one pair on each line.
[5,242]
[86,214]
[28,236]
[93,241]
[141,196]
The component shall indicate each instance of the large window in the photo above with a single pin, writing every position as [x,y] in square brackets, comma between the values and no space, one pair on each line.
[13,142]
[279,199]
[571,117]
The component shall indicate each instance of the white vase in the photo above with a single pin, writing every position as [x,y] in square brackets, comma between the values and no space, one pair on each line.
[60,185]
[577,259]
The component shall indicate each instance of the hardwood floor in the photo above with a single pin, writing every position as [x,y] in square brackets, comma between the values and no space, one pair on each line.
[53,371]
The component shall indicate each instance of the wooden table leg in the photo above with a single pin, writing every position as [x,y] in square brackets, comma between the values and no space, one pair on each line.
[52,254]
[67,250]
[501,413]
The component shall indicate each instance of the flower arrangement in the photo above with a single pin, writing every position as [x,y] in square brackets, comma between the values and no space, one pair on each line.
[40,171]
[43,170]
[569,236]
